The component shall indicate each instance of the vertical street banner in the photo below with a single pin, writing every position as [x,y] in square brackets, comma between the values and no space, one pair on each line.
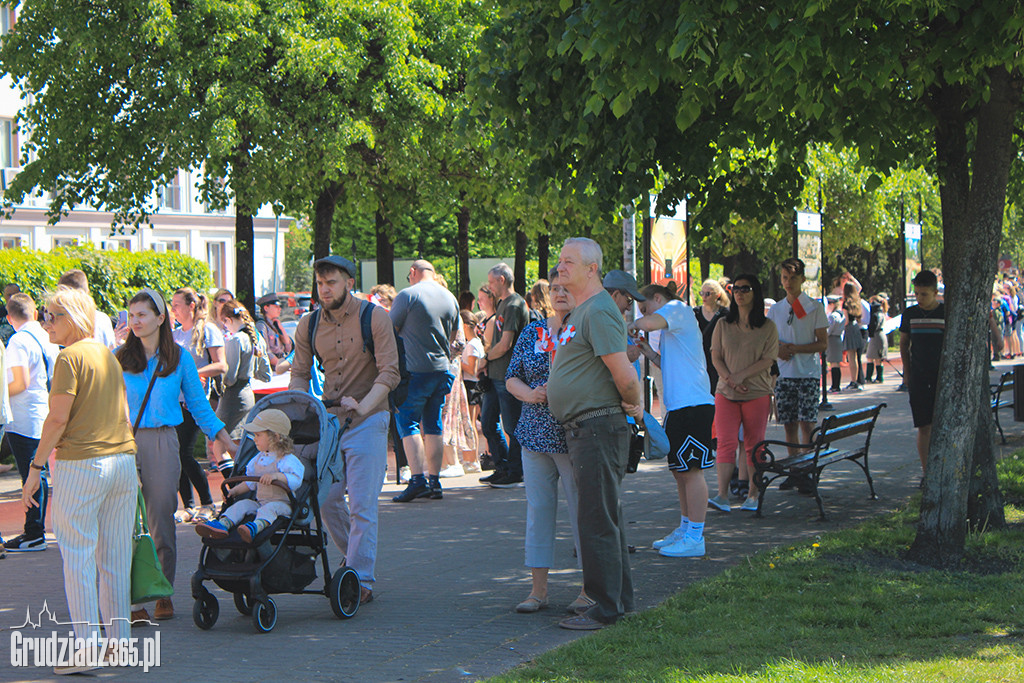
[669,253]
[912,237]
[808,250]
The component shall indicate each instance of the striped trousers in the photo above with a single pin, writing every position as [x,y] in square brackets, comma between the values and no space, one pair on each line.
[94,503]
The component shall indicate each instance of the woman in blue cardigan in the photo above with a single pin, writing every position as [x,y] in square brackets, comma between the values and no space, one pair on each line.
[149,349]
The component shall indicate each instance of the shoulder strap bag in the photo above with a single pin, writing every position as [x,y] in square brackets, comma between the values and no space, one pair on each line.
[148,580]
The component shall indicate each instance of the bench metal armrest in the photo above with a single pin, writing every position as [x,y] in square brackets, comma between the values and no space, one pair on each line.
[764,457]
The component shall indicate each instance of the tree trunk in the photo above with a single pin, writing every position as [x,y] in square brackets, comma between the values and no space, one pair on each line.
[462,245]
[519,271]
[972,218]
[705,265]
[385,250]
[323,219]
[543,243]
[984,501]
[245,286]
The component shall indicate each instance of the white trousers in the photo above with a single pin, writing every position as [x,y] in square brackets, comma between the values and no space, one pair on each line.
[353,524]
[268,511]
[94,505]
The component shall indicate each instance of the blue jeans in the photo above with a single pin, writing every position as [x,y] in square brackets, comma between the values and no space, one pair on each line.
[24,449]
[421,410]
[490,417]
[511,407]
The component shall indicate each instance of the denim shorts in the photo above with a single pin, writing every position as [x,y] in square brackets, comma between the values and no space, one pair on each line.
[421,411]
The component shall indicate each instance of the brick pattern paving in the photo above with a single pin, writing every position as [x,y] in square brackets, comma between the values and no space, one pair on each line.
[451,571]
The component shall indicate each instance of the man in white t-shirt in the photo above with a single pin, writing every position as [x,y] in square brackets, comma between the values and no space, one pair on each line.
[691,411]
[103,329]
[803,335]
[30,359]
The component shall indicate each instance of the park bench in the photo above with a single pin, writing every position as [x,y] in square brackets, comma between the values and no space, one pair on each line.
[1002,397]
[839,437]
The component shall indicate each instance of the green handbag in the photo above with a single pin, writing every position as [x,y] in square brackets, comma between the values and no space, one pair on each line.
[148,580]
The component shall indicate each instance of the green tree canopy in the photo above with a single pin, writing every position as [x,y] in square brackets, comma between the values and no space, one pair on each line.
[673,87]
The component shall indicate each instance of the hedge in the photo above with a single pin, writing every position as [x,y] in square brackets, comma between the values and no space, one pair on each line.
[114,276]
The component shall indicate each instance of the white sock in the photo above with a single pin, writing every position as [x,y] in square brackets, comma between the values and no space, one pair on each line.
[695,531]
[684,523]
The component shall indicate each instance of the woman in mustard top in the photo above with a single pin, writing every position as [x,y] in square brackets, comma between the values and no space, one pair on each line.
[95,484]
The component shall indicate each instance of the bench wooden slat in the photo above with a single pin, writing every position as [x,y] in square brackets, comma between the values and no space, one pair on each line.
[842,419]
[849,430]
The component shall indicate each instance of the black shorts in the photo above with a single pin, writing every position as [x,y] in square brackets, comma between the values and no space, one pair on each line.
[922,401]
[689,438]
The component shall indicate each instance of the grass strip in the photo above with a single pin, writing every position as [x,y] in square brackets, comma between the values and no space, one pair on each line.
[843,607]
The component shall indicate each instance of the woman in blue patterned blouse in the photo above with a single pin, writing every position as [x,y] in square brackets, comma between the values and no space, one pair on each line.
[545,455]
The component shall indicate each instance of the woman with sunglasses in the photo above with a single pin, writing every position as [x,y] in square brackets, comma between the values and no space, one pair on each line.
[150,354]
[743,347]
[95,484]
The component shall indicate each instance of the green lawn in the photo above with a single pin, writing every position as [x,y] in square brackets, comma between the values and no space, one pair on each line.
[844,607]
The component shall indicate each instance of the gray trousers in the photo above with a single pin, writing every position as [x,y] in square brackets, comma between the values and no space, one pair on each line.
[159,469]
[599,450]
[352,522]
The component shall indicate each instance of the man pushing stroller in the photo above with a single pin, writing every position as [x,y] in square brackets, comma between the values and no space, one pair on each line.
[274,463]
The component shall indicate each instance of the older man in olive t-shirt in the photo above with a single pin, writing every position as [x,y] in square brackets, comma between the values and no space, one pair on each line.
[590,389]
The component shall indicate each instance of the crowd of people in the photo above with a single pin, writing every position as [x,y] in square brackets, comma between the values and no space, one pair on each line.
[551,382]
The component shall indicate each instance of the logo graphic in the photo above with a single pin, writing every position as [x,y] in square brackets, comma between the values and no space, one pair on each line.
[67,650]
[565,335]
[544,343]
[693,449]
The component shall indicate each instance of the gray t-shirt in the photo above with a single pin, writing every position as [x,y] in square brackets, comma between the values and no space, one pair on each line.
[579,379]
[425,316]
[512,316]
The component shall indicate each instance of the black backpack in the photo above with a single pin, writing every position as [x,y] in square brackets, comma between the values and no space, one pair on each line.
[875,320]
[398,394]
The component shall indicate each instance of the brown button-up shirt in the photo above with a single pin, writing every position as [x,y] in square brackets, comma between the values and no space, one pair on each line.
[348,369]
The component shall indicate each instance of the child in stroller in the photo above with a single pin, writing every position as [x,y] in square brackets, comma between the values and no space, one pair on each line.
[273,463]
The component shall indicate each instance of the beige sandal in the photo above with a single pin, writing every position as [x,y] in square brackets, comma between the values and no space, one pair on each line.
[581,605]
[185,516]
[531,604]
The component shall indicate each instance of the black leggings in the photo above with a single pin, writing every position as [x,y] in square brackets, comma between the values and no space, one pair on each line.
[191,471]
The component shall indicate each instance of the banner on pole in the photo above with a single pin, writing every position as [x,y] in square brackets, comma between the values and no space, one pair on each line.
[808,250]
[912,236]
[668,248]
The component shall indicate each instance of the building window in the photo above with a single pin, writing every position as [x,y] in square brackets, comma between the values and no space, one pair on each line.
[169,197]
[6,20]
[59,242]
[116,245]
[10,242]
[215,260]
[8,141]
[165,246]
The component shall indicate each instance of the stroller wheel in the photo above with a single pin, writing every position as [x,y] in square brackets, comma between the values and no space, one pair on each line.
[344,593]
[264,616]
[243,603]
[205,611]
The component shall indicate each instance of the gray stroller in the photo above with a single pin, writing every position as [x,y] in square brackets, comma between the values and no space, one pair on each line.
[283,557]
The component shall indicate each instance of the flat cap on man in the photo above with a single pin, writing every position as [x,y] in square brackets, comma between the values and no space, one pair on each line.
[620,279]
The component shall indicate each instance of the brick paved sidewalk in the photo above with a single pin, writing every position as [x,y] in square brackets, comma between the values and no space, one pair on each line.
[451,571]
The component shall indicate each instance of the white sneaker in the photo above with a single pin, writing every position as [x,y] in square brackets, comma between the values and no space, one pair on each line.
[471,467]
[673,537]
[684,547]
[404,475]
[452,471]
